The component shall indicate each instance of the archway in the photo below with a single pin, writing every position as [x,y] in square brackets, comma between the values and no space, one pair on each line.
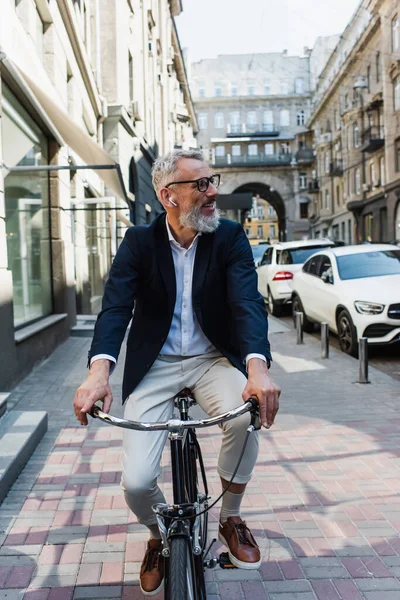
[270,195]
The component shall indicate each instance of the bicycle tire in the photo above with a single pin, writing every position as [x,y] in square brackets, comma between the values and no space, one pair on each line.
[178,569]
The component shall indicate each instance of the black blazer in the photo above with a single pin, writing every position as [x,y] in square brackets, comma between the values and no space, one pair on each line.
[227,304]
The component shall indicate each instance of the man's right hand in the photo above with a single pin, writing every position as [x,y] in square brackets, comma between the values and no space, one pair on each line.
[96,387]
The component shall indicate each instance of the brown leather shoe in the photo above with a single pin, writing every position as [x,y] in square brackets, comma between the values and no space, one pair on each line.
[152,569]
[243,550]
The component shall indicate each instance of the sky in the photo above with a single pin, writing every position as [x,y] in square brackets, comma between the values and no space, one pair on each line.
[211,27]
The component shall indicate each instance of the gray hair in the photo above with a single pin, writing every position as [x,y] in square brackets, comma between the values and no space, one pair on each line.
[165,167]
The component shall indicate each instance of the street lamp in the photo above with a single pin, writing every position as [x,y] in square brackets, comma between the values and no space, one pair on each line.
[360,84]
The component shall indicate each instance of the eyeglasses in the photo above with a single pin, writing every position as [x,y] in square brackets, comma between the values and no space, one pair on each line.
[202,183]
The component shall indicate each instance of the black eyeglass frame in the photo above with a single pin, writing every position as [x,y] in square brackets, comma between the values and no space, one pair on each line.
[196,181]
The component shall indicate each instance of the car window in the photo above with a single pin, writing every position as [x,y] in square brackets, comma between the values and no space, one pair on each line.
[258,251]
[325,270]
[266,260]
[376,263]
[278,256]
[314,263]
[297,256]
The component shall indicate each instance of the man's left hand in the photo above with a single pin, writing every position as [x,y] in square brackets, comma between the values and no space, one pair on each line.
[261,386]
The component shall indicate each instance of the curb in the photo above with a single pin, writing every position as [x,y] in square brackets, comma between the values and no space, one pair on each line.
[20,433]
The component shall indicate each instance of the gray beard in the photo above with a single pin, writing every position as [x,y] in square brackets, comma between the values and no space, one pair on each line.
[194,219]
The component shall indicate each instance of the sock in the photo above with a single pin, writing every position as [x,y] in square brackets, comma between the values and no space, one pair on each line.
[230,505]
[154,532]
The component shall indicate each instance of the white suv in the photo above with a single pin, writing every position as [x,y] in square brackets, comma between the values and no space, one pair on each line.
[278,266]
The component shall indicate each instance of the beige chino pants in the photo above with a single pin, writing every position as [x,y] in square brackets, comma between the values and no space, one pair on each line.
[217,387]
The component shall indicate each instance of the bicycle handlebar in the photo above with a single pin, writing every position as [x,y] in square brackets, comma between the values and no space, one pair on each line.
[174,425]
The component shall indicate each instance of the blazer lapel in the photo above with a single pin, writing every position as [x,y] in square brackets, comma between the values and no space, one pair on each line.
[165,261]
[203,253]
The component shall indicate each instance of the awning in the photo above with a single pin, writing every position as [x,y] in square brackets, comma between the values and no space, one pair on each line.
[72,135]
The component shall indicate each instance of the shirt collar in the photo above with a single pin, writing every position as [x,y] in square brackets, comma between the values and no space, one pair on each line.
[173,240]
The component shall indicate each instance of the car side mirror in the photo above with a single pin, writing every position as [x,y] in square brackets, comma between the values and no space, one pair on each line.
[326,278]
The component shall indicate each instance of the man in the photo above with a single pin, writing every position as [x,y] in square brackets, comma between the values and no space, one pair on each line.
[198,322]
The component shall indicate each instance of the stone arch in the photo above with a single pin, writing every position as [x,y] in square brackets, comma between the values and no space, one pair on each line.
[270,195]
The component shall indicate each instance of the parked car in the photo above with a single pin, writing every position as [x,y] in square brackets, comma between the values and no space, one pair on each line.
[355,289]
[258,252]
[277,267]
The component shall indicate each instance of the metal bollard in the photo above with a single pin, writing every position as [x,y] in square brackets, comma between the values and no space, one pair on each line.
[299,327]
[324,340]
[363,360]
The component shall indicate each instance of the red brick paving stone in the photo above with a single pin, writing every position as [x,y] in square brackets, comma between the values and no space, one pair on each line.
[254,590]
[103,502]
[324,590]
[347,589]
[119,502]
[63,518]
[31,504]
[89,574]
[81,517]
[347,528]
[112,573]
[107,477]
[258,500]
[291,569]
[382,547]
[132,592]
[61,593]
[395,543]
[37,535]
[376,567]
[283,515]
[371,513]
[135,551]
[49,505]
[50,555]
[97,533]
[4,573]
[15,539]
[117,533]
[20,577]
[89,489]
[321,547]
[356,567]
[302,547]
[273,531]
[40,594]
[230,591]
[270,571]
[72,554]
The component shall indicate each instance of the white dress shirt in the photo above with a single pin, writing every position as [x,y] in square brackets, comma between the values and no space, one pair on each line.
[185,337]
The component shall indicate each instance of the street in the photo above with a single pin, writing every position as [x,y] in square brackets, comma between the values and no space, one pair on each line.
[323,502]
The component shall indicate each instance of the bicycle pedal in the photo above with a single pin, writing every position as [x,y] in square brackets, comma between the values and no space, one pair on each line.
[224,561]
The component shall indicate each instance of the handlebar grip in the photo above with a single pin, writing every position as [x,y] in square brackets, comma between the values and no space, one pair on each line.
[254,403]
[94,411]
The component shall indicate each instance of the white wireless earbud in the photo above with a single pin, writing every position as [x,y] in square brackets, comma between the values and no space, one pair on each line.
[172,202]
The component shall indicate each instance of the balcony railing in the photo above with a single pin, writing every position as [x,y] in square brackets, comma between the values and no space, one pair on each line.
[373,139]
[305,155]
[244,129]
[313,186]
[256,159]
[336,168]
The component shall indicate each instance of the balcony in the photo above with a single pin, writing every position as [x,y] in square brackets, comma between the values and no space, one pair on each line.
[373,139]
[313,186]
[305,156]
[245,130]
[244,160]
[336,168]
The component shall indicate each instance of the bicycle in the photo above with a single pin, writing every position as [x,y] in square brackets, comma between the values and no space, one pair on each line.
[183,524]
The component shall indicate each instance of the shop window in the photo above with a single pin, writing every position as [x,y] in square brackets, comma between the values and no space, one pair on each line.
[27,212]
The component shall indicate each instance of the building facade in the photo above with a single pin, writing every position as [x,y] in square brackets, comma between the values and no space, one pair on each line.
[250,110]
[91,92]
[355,180]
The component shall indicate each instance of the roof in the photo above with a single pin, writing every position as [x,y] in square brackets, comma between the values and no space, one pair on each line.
[362,248]
[303,243]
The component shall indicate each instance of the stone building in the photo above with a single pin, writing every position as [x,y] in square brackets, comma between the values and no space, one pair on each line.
[355,124]
[91,92]
[250,108]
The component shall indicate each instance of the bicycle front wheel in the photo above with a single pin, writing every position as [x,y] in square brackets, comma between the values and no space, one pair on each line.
[180,571]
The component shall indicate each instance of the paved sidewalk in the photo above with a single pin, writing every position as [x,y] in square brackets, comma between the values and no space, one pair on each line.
[323,503]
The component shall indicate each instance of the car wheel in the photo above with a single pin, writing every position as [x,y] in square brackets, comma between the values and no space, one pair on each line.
[297,306]
[347,333]
[273,307]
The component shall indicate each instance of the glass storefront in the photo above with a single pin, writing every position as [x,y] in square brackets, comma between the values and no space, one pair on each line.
[27,212]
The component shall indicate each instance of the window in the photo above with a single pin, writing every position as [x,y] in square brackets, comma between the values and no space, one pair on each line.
[396,92]
[343,228]
[368,224]
[234,89]
[26,198]
[252,118]
[397,154]
[284,118]
[260,212]
[383,224]
[396,33]
[301,117]
[202,89]
[303,210]
[382,170]
[357,186]
[251,88]
[378,67]
[131,80]
[234,118]
[259,231]
[218,89]
[285,148]
[267,87]
[236,150]
[272,230]
[267,258]
[338,195]
[299,85]
[303,181]
[325,267]
[269,149]
[336,119]
[252,149]
[284,87]
[327,200]
[219,150]
[349,232]
[372,175]
[219,120]
[202,119]
[268,119]
[312,266]
[355,135]
[326,161]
